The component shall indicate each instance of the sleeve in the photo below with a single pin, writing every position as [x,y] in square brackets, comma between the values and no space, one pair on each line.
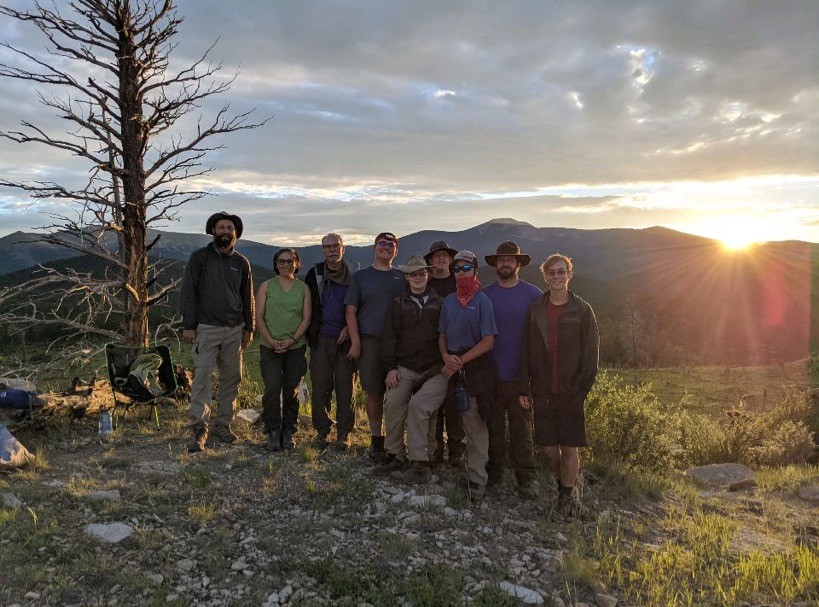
[525,360]
[248,299]
[351,298]
[190,286]
[442,318]
[315,315]
[590,348]
[389,343]
[488,325]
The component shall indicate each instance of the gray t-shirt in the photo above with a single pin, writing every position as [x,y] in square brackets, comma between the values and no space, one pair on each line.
[371,291]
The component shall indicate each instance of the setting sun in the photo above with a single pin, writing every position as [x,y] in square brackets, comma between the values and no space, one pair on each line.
[735,232]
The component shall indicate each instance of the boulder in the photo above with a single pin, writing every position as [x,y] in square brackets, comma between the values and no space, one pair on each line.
[721,476]
[110,533]
[809,493]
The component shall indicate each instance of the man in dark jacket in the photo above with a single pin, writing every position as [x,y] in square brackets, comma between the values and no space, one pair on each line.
[558,366]
[217,316]
[329,340]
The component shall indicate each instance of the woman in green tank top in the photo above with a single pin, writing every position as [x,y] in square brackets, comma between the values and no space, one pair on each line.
[282,316]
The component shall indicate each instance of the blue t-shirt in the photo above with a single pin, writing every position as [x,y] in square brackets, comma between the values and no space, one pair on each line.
[510,305]
[332,308]
[371,292]
[464,327]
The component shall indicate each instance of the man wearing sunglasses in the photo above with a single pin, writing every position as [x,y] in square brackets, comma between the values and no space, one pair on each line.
[367,302]
[558,367]
[467,333]
[510,298]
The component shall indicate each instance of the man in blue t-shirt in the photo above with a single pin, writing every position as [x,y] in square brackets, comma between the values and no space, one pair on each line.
[367,303]
[467,332]
[329,339]
[510,298]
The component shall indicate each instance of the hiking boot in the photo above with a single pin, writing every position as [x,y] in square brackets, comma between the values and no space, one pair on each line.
[568,507]
[320,441]
[392,463]
[377,452]
[199,439]
[343,442]
[438,456]
[287,441]
[224,434]
[274,441]
[526,491]
[456,458]
[476,492]
[418,472]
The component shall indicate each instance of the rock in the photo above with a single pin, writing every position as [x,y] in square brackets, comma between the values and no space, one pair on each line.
[111,533]
[99,496]
[10,500]
[159,468]
[720,476]
[32,596]
[605,600]
[185,565]
[526,595]
[272,599]
[251,416]
[748,483]
[156,578]
[239,565]
[809,493]
[427,500]
[54,483]
[561,538]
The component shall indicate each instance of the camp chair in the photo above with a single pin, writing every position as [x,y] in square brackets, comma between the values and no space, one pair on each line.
[143,385]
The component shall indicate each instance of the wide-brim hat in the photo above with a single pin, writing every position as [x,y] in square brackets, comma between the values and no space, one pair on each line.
[508,249]
[439,245]
[213,219]
[415,263]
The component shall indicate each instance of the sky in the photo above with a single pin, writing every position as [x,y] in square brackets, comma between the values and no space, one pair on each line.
[411,115]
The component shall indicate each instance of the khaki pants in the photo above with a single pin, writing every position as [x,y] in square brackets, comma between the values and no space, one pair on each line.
[477,443]
[222,347]
[416,412]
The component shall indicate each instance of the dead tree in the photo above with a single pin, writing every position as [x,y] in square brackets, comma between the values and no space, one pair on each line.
[122,104]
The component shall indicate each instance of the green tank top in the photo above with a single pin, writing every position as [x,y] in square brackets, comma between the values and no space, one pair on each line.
[283,310]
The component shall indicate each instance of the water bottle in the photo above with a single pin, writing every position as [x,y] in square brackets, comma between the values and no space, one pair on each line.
[461,396]
[106,425]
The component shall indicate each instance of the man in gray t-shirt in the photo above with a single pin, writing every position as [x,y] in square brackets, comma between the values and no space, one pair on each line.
[367,302]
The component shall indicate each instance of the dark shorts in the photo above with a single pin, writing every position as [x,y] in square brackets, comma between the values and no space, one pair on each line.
[559,420]
[371,370]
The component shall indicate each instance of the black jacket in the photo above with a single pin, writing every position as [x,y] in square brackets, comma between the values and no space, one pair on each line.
[411,334]
[217,289]
[312,281]
[578,348]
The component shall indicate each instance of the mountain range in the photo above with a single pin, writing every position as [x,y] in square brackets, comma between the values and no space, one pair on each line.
[662,296]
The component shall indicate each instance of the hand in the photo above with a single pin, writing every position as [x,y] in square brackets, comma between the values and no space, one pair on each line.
[189,335]
[453,360]
[449,371]
[355,351]
[247,339]
[525,402]
[343,336]
[393,379]
[284,344]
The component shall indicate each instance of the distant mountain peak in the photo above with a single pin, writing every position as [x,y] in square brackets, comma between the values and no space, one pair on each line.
[507,221]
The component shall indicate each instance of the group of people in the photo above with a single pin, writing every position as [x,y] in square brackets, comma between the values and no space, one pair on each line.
[443,361]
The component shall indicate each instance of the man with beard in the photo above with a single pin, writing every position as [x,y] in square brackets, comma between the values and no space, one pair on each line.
[218,316]
[329,339]
[510,299]
[442,281]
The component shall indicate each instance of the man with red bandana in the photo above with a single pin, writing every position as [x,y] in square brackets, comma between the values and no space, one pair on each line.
[467,333]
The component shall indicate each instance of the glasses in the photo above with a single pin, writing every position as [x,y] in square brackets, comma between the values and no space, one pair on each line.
[385,244]
[286,262]
[560,272]
[463,268]
[417,274]
[336,245]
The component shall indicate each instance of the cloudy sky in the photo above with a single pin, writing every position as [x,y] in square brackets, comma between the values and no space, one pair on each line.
[408,115]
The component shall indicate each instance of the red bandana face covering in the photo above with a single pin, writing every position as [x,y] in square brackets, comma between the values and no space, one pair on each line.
[466,289]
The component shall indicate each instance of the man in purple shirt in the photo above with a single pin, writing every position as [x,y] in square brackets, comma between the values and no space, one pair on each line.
[510,299]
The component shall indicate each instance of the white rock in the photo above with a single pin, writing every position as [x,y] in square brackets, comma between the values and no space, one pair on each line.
[250,416]
[10,500]
[110,495]
[185,565]
[238,565]
[526,595]
[32,596]
[111,533]
[171,597]
[561,538]
[156,578]
[55,483]
[427,500]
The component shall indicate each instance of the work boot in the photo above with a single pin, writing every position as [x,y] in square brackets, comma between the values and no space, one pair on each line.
[224,434]
[199,439]
[274,441]
[456,455]
[320,441]
[418,472]
[343,442]
[568,505]
[391,463]
[476,492]
[287,440]
[377,452]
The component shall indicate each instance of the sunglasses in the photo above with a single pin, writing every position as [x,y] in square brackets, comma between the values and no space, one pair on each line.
[385,244]
[463,268]
[560,272]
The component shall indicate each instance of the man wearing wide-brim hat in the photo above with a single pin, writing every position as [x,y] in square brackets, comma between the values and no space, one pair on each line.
[415,385]
[510,298]
[217,316]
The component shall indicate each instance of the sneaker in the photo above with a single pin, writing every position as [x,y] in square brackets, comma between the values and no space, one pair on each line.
[476,492]
[343,442]
[274,441]
[199,439]
[287,441]
[418,472]
[224,434]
